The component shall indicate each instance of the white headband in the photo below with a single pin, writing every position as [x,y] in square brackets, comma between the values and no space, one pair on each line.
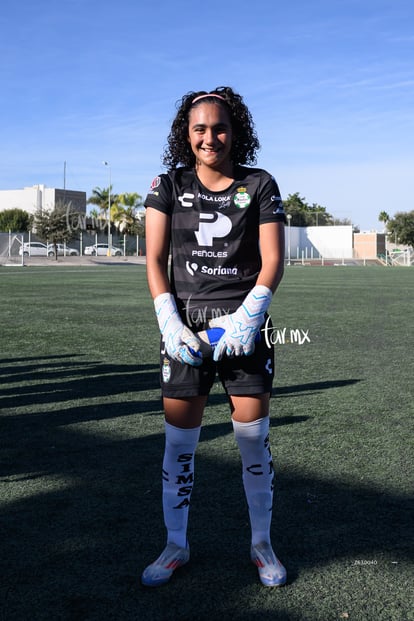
[207,95]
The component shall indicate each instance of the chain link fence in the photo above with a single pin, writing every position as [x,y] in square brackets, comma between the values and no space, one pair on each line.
[11,245]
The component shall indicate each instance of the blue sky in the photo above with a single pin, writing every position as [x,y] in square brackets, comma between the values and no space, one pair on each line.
[330,84]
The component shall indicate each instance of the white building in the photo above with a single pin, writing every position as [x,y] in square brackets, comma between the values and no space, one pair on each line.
[313,242]
[41,197]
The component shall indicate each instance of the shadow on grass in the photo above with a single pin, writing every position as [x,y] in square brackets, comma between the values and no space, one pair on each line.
[81,517]
[35,359]
[75,543]
[314,386]
[73,380]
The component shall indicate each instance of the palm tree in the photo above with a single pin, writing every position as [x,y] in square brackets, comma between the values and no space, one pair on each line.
[100,197]
[125,216]
[94,213]
[130,199]
[122,218]
[383,217]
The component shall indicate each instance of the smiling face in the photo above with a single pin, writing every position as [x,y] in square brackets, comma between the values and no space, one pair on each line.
[210,136]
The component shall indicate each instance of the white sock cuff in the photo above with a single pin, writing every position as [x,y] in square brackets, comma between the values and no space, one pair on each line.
[177,435]
[255,428]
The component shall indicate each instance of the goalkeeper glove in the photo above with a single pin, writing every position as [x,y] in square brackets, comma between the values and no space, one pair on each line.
[180,343]
[242,326]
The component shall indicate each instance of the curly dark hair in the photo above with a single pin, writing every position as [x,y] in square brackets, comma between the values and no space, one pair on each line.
[245,142]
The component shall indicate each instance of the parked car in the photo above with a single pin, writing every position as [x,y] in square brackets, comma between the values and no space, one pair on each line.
[33,249]
[62,250]
[102,250]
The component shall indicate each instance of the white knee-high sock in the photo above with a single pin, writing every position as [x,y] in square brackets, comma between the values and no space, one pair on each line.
[177,480]
[253,441]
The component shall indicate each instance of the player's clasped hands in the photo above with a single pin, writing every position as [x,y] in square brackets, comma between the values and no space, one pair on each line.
[180,342]
[240,328]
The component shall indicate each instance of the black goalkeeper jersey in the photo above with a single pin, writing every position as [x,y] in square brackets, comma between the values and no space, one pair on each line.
[215,254]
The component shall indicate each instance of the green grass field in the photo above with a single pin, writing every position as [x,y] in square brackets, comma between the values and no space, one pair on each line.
[82,442]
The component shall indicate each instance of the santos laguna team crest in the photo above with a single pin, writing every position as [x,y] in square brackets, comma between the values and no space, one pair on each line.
[242,198]
[166,370]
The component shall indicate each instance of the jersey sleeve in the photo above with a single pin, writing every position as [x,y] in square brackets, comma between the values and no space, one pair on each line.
[270,201]
[160,194]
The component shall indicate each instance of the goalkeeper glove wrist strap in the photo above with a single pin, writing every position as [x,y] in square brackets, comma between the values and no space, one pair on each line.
[257,301]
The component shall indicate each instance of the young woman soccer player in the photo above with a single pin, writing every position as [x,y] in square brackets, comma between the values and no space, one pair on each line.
[224,226]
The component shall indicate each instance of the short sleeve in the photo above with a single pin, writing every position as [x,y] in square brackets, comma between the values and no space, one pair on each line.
[160,194]
[270,201]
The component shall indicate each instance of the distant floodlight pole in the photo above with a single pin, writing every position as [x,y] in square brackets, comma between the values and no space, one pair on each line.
[289,218]
[109,210]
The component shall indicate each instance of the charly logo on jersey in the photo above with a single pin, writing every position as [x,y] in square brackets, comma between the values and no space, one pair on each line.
[211,226]
[186,199]
[242,199]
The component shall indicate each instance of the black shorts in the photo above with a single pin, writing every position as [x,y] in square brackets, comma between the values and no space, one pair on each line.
[241,375]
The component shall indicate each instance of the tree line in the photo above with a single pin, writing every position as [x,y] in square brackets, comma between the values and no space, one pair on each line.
[306,214]
[400,228]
